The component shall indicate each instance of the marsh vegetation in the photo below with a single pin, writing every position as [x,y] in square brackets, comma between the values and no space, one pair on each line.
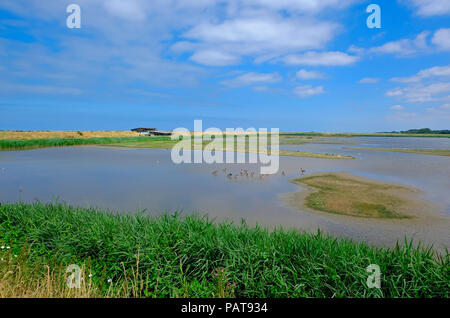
[172,256]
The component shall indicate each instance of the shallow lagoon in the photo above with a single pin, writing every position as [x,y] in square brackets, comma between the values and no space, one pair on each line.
[126,179]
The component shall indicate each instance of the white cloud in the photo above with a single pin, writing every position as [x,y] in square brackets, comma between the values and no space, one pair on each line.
[437,71]
[39,89]
[253,78]
[258,36]
[128,10]
[306,75]
[422,93]
[307,6]
[397,107]
[369,80]
[407,47]
[430,7]
[321,59]
[214,58]
[394,92]
[403,46]
[308,90]
[441,39]
[442,110]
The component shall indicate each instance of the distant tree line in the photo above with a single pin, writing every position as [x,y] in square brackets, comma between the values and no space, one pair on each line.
[423,131]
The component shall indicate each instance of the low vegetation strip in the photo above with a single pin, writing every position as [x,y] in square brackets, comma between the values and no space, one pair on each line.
[12,144]
[171,256]
[434,152]
[380,134]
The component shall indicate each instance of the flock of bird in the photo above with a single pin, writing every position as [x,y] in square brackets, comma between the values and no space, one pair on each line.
[248,174]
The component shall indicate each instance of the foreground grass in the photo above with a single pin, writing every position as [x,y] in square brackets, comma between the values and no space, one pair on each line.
[434,152]
[169,256]
[350,195]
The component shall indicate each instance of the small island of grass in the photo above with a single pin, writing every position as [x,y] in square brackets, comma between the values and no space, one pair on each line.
[350,195]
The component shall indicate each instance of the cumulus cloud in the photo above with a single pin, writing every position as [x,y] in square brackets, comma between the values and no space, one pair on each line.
[253,78]
[308,90]
[429,8]
[320,59]
[436,71]
[427,85]
[369,80]
[397,107]
[307,75]
[214,58]
[308,6]
[403,46]
[422,93]
[442,39]
[441,110]
[257,36]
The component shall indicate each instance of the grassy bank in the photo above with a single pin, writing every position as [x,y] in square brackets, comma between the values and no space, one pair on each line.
[17,144]
[433,152]
[169,256]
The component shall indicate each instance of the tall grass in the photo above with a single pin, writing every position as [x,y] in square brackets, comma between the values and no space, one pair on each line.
[193,256]
[60,142]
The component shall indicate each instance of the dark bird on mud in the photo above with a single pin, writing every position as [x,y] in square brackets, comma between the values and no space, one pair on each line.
[302,171]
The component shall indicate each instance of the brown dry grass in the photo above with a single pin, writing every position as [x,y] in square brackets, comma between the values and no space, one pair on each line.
[22,276]
[26,135]
[351,195]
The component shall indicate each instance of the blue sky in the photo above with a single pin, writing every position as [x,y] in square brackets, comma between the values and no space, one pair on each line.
[297,65]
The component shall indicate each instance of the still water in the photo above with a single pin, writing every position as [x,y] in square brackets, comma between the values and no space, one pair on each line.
[131,180]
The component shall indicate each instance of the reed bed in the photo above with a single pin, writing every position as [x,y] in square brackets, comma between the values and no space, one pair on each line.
[192,256]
